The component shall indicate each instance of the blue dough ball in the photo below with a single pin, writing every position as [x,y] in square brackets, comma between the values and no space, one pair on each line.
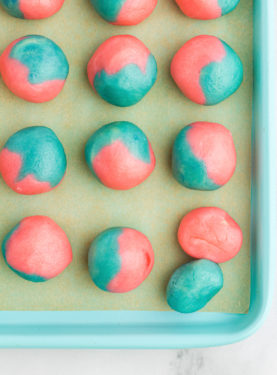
[193,285]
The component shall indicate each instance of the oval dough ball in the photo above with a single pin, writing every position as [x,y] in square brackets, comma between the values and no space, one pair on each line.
[124,12]
[33,161]
[204,156]
[207,70]
[37,249]
[32,9]
[34,68]
[122,70]
[193,285]
[206,9]
[120,259]
[210,233]
[120,155]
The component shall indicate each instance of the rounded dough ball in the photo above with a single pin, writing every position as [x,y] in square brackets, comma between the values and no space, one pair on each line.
[207,70]
[204,156]
[122,70]
[34,68]
[120,259]
[193,285]
[32,9]
[120,155]
[210,233]
[33,161]
[124,12]
[206,9]
[37,249]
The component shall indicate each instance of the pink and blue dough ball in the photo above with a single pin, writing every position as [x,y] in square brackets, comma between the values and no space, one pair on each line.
[206,9]
[34,68]
[33,161]
[204,156]
[122,70]
[37,249]
[119,155]
[207,70]
[124,12]
[193,285]
[31,9]
[120,259]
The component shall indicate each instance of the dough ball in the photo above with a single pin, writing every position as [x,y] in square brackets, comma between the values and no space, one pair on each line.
[210,233]
[122,70]
[33,161]
[120,155]
[193,285]
[34,68]
[207,70]
[120,259]
[204,156]
[37,249]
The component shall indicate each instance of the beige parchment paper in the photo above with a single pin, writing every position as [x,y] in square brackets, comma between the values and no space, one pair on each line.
[83,207]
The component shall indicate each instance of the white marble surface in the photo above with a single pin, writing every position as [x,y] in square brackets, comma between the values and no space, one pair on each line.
[256,356]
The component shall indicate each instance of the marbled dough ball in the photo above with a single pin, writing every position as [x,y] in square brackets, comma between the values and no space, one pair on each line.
[204,156]
[210,233]
[32,9]
[207,70]
[37,249]
[120,259]
[206,9]
[34,68]
[193,285]
[33,161]
[122,70]
[119,155]
[124,12]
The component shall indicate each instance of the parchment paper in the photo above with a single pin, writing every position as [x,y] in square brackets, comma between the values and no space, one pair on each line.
[82,206]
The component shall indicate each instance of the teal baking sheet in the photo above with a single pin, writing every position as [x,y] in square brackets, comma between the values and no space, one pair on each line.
[83,207]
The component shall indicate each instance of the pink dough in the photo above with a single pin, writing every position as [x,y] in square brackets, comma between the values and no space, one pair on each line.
[200,9]
[210,233]
[38,9]
[40,247]
[137,260]
[10,165]
[135,11]
[118,169]
[15,76]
